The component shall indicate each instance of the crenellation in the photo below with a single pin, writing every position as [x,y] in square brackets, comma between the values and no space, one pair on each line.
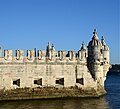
[30,55]
[62,55]
[41,54]
[19,57]
[8,55]
[72,55]
[52,68]
[19,54]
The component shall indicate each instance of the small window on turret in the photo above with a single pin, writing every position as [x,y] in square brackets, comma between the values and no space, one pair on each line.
[85,55]
[98,59]
[101,51]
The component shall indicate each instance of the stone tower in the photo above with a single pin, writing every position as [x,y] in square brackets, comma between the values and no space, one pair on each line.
[50,52]
[86,69]
[94,56]
[82,53]
[105,51]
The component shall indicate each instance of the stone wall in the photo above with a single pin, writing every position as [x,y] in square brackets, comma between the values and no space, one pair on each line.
[49,73]
[86,69]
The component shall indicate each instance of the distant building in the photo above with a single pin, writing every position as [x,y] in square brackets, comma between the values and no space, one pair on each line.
[85,69]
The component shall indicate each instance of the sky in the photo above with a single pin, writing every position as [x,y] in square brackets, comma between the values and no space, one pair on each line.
[29,24]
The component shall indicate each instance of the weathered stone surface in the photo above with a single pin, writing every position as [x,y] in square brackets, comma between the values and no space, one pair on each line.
[86,70]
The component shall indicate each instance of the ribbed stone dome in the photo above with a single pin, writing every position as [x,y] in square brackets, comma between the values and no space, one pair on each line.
[95,41]
[105,47]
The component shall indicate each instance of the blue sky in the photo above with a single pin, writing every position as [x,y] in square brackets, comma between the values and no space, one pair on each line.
[29,24]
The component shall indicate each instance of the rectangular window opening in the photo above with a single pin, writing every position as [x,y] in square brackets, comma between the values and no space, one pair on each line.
[60,81]
[16,82]
[38,81]
[80,81]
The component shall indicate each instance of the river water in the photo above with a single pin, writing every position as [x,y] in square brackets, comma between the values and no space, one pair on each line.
[109,101]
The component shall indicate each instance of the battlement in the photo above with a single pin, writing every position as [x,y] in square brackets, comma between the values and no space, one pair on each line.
[51,55]
[40,56]
[86,68]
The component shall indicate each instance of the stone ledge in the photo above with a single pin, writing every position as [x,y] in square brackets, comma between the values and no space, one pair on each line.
[48,93]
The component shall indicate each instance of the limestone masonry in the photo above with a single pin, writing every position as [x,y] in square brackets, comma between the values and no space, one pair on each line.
[85,69]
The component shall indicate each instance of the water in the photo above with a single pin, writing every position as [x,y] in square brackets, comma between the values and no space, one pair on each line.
[110,101]
[112,86]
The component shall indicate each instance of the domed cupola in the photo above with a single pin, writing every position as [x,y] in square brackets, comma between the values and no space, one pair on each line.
[102,41]
[82,53]
[94,55]
[104,46]
[94,48]
[105,51]
[95,41]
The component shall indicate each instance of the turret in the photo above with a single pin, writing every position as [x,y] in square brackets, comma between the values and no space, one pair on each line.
[82,53]
[105,51]
[53,48]
[53,52]
[94,56]
[50,52]
[94,47]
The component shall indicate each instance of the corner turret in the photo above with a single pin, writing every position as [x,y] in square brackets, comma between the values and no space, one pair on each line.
[82,53]
[50,52]
[94,47]
[94,56]
[53,48]
[105,51]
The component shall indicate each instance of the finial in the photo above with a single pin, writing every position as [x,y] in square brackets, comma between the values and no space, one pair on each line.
[48,49]
[48,46]
[95,35]
[102,37]
[53,47]
[83,45]
[102,41]
[48,43]
[95,32]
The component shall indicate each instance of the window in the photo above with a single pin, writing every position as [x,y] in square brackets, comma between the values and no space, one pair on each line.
[35,81]
[80,81]
[38,81]
[105,59]
[60,81]
[16,82]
